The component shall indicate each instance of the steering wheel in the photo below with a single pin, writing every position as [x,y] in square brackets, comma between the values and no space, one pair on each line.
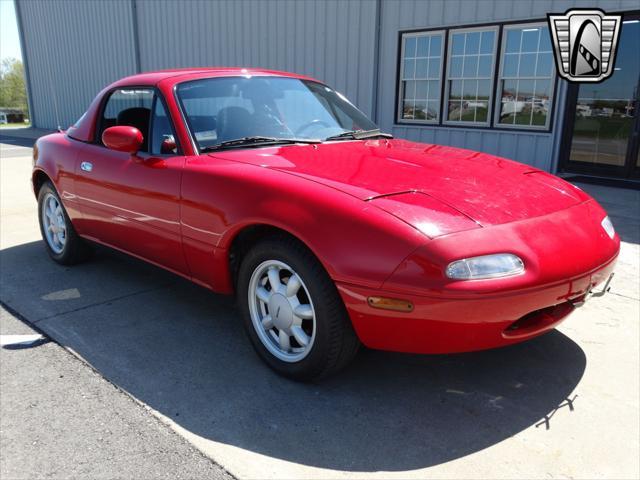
[307,125]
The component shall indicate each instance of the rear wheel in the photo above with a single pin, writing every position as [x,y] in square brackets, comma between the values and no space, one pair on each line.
[292,311]
[62,242]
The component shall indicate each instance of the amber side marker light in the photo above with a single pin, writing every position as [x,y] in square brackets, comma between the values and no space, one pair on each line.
[390,304]
[35,154]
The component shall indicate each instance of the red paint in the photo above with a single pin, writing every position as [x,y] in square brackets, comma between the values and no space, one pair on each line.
[385,217]
[123,139]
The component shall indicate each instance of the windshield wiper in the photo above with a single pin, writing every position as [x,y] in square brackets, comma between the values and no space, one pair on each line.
[358,135]
[257,141]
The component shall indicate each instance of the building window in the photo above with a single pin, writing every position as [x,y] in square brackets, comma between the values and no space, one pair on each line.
[420,75]
[470,70]
[476,93]
[526,77]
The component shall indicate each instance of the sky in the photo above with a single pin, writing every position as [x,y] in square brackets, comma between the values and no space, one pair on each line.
[9,40]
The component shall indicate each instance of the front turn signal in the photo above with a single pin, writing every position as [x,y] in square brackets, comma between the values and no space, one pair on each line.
[394,304]
[35,154]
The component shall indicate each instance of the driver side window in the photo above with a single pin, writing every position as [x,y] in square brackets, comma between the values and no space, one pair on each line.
[130,107]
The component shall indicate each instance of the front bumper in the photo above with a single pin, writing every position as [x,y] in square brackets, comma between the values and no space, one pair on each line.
[450,325]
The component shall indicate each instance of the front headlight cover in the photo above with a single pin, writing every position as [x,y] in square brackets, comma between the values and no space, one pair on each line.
[608,227]
[486,266]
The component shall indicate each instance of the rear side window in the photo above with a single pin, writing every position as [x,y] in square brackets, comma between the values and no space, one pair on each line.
[130,107]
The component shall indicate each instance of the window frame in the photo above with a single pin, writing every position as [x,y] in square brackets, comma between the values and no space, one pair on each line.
[498,90]
[445,99]
[400,91]
[492,126]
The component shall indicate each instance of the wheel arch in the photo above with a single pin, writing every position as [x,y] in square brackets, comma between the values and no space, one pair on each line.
[38,178]
[249,235]
[54,157]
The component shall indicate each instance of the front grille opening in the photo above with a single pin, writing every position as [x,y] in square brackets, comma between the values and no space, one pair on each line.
[538,321]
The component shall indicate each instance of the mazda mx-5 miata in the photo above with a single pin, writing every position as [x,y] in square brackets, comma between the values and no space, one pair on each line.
[331,234]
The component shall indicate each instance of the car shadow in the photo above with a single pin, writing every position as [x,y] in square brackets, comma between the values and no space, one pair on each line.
[181,350]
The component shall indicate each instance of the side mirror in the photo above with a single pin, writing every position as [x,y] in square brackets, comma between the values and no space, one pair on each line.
[168,145]
[123,139]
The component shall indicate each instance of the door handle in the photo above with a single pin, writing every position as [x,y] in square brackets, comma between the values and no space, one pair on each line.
[86,166]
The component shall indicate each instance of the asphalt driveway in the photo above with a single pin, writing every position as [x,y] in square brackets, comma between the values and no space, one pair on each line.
[563,405]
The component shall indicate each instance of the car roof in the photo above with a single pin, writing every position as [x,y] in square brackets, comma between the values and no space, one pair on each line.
[179,75]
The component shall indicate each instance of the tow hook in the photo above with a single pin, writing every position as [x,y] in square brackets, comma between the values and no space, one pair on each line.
[591,294]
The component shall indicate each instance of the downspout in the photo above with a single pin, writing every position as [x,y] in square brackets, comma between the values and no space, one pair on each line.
[134,34]
[376,62]
[25,64]
[559,125]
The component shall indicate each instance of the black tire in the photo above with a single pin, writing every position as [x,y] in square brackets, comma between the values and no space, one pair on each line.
[75,249]
[336,343]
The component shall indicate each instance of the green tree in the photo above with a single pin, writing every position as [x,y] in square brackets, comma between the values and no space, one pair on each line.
[13,93]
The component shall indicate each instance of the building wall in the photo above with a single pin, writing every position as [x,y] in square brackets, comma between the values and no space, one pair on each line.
[73,48]
[333,41]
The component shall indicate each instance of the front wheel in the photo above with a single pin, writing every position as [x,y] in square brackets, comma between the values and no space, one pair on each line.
[62,242]
[292,311]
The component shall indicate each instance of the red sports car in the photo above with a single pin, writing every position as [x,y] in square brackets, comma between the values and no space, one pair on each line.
[331,233]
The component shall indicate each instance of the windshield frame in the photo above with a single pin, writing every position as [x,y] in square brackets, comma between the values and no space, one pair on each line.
[199,150]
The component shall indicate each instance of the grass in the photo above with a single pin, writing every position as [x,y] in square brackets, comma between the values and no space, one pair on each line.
[15,125]
[604,127]
[523,118]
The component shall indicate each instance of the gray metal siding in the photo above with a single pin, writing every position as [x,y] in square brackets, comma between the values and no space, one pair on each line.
[74,48]
[329,40]
[535,148]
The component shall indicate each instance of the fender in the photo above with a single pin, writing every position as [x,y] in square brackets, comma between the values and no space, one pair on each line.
[220,198]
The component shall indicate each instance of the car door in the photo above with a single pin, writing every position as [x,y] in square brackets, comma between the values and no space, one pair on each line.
[131,202]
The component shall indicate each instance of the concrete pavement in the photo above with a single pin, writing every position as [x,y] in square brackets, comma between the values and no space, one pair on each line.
[563,405]
[60,419]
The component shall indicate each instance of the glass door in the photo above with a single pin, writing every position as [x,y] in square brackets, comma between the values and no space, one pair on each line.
[602,124]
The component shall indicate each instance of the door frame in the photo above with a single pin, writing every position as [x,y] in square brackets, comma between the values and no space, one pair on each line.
[630,169]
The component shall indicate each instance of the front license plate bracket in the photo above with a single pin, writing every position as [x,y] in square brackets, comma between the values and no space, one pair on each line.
[591,294]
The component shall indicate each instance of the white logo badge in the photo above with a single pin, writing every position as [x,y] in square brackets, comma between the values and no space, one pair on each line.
[585,43]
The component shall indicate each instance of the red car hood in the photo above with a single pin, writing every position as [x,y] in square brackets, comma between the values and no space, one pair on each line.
[470,189]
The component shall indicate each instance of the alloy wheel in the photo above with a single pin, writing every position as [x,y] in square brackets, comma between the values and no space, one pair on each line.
[282,311]
[54,223]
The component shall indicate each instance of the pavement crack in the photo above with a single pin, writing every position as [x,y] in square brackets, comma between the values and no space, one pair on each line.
[624,296]
[109,300]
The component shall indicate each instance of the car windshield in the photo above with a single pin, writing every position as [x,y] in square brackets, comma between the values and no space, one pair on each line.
[265,110]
